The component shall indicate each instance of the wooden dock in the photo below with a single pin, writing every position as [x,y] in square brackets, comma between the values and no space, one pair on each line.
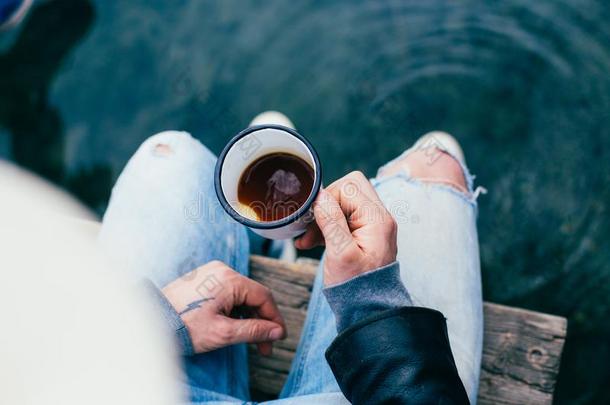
[521,352]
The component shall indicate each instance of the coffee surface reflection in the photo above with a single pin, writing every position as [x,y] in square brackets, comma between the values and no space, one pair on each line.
[275,186]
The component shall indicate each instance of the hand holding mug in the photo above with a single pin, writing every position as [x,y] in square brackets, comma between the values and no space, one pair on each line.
[358,231]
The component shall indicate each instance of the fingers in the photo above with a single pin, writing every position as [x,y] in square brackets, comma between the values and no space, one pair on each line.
[266,325]
[332,223]
[358,201]
[258,297]
[353,191]
[252,331]
[311,238]
[265,348]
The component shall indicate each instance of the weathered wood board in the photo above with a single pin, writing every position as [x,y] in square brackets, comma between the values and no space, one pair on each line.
[521,353]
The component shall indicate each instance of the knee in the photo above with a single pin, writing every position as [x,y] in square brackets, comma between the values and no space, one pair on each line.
[176,145]
[431,166]
[167,143]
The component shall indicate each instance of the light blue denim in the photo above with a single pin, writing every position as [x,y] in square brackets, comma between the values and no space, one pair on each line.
[164,220]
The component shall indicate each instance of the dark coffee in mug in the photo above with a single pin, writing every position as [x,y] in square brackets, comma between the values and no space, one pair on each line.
[275,186]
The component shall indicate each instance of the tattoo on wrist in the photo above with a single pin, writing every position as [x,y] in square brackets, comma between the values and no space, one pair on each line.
[194,305]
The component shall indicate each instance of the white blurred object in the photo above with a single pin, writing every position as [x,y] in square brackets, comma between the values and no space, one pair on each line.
[16,185]
[74,331]
[272,117]
[17,16]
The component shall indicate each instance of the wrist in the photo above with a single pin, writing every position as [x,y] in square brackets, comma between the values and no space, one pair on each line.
[369,293]
[172,318]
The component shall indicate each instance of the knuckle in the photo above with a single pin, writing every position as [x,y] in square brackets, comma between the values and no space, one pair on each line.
[361,177]
[227,271]
[226,332]
[215,264]
[332,186]
[355,174]
[391,224]
[325,211]
[255,330]
[350,257]
[224,271]
[265,291]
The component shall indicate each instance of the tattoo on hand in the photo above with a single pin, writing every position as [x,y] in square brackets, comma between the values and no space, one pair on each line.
[194,305]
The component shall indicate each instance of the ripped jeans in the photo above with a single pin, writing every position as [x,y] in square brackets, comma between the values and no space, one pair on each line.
[164,220]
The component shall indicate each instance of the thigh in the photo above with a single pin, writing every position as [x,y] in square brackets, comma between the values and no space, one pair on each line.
[163,221]
[439,258]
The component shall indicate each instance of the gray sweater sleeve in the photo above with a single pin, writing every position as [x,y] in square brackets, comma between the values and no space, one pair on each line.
[367,294]
[172,319]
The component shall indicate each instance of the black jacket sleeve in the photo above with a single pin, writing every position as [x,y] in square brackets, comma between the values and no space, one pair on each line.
[399,356]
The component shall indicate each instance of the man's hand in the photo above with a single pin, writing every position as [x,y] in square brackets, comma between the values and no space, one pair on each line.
[358,231]
[209,301]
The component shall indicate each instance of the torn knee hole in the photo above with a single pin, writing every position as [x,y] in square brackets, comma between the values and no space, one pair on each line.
[162,149]
[443,169]
[458,187]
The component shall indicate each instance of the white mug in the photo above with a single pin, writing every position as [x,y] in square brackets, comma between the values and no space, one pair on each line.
[246,147]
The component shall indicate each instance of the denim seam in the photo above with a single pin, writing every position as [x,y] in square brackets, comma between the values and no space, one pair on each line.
[234,258]
[231,374]
[469,199]
[307,340]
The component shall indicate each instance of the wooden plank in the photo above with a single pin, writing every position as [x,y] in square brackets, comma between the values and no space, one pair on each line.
[521,353]
[290,282]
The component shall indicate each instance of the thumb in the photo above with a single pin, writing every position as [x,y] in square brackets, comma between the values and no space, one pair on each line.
[253,331]
[332,223]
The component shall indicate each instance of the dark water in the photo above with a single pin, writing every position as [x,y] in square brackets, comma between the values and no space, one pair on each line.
[524,85]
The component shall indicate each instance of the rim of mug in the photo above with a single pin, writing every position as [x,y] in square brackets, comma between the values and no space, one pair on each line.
[303,209]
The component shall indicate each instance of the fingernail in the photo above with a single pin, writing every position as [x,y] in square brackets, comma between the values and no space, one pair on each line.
[276,334]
